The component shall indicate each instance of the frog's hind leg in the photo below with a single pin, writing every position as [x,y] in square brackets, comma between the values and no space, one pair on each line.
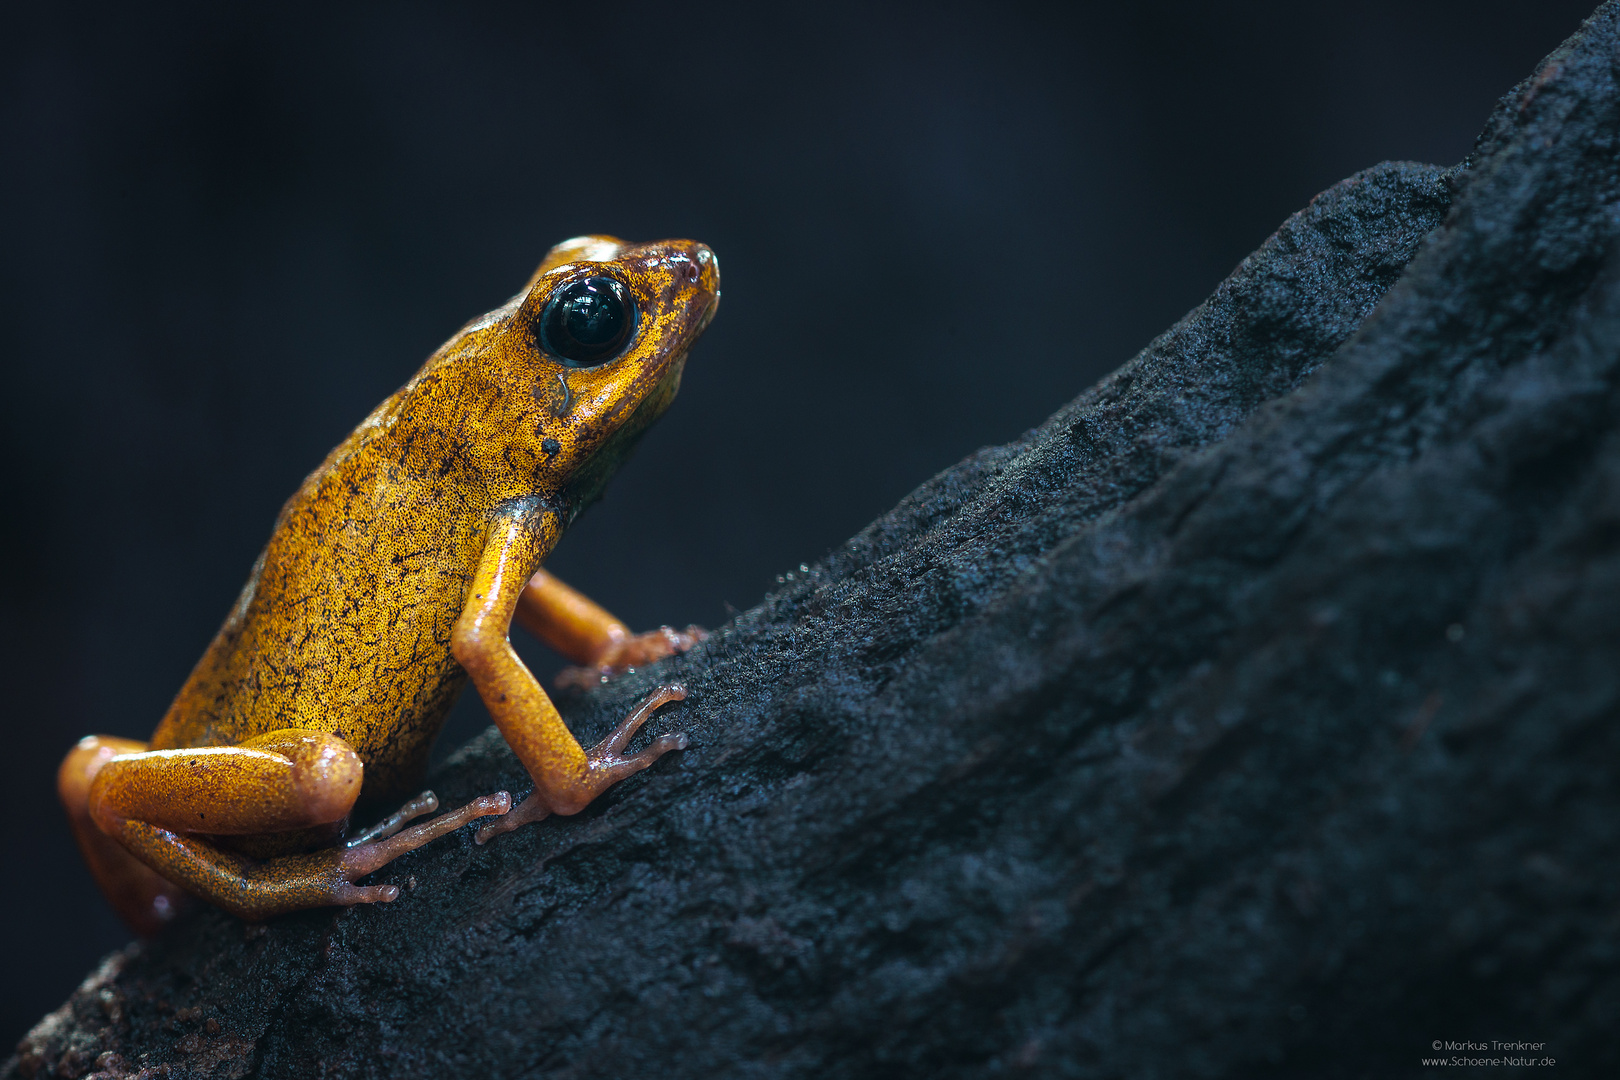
[156,803]
[143,898]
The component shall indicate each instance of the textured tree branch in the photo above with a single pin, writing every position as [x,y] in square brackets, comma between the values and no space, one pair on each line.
[1257,712]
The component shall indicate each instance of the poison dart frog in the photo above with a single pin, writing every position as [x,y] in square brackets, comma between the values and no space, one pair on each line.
[391,578]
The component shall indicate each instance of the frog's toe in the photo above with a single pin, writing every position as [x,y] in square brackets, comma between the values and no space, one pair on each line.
[606,752]
[356,862]
[534,808]
[425,803]
[607,763]
[348,894]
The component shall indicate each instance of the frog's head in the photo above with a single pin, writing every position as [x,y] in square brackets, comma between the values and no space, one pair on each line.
[591,352]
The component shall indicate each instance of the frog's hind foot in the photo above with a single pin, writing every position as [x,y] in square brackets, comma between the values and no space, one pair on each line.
[605,766]
[385,842]
[425,803]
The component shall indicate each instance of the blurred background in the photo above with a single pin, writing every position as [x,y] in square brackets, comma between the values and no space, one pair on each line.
[229,234]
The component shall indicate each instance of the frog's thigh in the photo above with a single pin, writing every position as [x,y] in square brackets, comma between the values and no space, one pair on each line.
[276,782]
[143,898]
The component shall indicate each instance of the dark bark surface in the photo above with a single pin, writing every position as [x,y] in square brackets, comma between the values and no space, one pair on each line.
[1255,715]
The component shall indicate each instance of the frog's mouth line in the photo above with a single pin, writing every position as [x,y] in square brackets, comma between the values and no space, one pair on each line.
[707,317]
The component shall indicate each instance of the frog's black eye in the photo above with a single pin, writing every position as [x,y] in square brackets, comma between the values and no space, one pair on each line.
[588,322]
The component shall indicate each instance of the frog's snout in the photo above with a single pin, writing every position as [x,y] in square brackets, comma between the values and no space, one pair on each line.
[708,270]
[703,272]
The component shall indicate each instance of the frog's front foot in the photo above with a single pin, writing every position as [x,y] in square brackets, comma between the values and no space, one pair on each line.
[626,654]
[605,766]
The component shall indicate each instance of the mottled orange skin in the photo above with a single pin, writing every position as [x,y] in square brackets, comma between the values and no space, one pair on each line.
[391,576]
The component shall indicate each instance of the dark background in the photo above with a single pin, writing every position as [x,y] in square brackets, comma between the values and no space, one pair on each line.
[227,236]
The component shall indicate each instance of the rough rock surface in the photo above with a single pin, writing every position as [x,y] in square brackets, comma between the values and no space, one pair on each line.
[1255,715]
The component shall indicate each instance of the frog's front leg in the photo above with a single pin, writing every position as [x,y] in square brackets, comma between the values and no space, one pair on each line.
[584,632]
[166,807]
[566,777]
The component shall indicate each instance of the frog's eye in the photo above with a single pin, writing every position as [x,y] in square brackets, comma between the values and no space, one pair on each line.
[588,322]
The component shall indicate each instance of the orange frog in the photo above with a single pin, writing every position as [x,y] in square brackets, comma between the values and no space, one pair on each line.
[393,576]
